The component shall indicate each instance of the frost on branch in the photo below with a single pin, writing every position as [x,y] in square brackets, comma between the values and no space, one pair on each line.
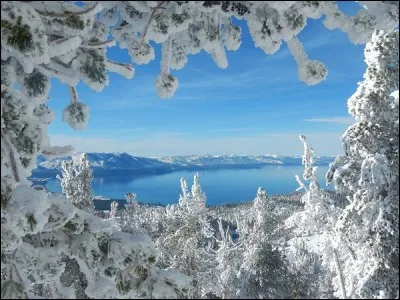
[68,41]
[76,114]
[64,45]
[166,85]
[310,71]
[231,36]
[125,70]
[23,35]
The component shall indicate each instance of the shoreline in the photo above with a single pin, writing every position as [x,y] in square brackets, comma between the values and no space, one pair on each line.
[101,205]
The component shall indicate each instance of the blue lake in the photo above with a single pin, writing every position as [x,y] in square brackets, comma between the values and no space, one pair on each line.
[220,186]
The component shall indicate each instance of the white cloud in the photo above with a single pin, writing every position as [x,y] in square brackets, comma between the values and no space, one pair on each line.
[163,145]
[339,120]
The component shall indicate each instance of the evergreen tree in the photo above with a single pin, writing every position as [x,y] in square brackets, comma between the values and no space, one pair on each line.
[319,212]
[69,41]
[258,273]
[76,182]
[130,216]
[368,174]
[181,240]
[113,213]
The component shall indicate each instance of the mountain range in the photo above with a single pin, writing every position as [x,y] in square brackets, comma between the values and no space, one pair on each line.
[123,163]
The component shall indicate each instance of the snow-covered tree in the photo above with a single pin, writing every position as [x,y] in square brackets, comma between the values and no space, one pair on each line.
[199,198]
[76,182]
[319,212]
[308,277]
[130,219]
[194,201]
[263,274]
[368,174]
[113,213]
[180,242]
[263,210]
[315,222]
[42,40]
[185,197]
[258,273]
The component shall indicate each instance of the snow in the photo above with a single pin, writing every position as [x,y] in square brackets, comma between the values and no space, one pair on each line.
[76,115]
[166,85]
[125,70]
[310,71]
[64,45]
[231,36]
[68,41]
[111,162]
[314,243]
[140,52]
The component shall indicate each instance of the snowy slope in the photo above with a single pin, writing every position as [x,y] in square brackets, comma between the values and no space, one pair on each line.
[121,163]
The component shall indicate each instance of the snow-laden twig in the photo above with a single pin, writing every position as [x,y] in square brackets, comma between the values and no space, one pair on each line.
[92,9]
[100,44]
[13,163]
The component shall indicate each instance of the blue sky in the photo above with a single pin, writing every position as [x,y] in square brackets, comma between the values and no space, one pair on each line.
[255,106]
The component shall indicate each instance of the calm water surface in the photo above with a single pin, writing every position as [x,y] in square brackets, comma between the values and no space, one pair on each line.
[220,186]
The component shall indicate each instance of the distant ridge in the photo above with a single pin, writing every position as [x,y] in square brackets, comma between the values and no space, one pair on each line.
[123,163]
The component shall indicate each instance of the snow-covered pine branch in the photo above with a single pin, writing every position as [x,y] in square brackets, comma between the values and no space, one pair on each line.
[125,70]
[42,40]
[76,114]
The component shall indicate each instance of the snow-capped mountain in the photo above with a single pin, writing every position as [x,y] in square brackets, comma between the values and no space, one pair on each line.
[122,163]
[105,163]
[213,161]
